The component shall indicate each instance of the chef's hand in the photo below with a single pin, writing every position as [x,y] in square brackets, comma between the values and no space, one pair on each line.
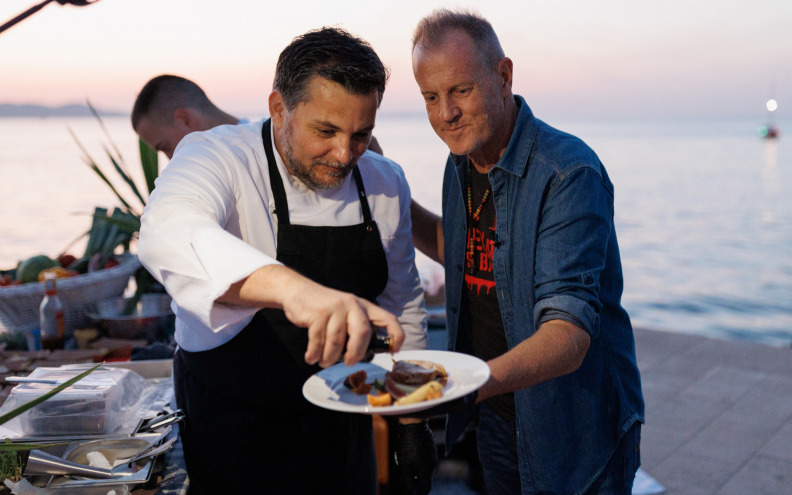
[415,455]
[331,316]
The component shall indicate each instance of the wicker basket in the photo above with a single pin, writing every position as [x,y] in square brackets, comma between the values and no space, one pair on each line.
[19,305]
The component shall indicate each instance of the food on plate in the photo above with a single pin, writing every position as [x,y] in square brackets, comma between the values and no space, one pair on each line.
[427,391]
[357,382]
[414,372]
[408,382]
[381,399]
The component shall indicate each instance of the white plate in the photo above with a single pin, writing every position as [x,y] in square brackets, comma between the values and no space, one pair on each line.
[326,389]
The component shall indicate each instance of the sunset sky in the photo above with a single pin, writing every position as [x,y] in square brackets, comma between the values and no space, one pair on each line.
[573,58]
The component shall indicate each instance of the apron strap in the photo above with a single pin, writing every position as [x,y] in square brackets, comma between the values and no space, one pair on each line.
[276,183]
[362,193]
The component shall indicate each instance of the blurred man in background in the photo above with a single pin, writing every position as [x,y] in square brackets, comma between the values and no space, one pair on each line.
[170,107]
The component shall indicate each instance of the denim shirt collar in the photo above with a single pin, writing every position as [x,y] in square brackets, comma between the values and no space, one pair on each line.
[515,159]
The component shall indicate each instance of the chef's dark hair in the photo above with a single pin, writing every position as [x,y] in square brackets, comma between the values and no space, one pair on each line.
[331,53]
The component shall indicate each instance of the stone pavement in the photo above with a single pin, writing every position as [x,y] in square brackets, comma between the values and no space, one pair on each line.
[718,415]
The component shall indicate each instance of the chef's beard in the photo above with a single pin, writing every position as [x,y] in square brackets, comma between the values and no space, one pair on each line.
[307,173]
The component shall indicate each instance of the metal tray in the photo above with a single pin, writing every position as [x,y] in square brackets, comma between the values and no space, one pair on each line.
[72,485]
[143,425]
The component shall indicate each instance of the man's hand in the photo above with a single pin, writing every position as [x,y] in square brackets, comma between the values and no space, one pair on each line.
[333,318]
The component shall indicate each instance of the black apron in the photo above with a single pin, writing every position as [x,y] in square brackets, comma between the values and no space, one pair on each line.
[248,429]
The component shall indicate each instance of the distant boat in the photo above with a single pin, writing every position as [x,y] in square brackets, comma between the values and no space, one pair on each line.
[770,131]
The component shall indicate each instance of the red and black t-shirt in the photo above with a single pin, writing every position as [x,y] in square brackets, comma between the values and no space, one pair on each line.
[479,292]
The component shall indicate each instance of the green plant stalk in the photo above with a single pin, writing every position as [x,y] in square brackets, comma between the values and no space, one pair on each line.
[107,232]
[104,129]
[149,160]
[97,233]
[10,466]
[92,164]
[129,224]
[119,229]
[125,177]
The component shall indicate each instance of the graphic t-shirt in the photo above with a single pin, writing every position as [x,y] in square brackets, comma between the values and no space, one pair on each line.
[489,337]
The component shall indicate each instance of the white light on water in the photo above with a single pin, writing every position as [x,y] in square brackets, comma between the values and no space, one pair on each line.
[772,105]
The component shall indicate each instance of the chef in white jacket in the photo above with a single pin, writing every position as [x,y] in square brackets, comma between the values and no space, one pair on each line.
[283,243]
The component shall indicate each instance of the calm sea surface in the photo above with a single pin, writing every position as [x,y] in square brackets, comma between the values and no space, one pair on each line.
[703,209]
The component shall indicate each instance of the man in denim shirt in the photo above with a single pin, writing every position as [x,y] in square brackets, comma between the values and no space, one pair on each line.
[537,293]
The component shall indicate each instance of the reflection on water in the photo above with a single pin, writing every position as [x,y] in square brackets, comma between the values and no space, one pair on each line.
[703,223]
[703,210]
[47,191]
[771,153]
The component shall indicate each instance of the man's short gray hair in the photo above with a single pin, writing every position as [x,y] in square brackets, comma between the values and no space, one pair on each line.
[433,29]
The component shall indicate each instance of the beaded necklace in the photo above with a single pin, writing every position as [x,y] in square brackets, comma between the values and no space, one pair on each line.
[473,215]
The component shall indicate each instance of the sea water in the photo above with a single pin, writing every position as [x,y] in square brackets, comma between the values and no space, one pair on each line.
[703,208]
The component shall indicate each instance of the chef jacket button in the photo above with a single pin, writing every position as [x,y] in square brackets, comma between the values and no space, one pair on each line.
[369,228]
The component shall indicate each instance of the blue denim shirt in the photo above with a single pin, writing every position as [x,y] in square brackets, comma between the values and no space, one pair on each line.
[556,257]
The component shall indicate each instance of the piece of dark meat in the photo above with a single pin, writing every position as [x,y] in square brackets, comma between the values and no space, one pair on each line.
[357,382]
[408,373]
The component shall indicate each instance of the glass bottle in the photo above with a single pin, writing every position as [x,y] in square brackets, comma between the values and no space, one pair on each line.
[51,315]
[378,343]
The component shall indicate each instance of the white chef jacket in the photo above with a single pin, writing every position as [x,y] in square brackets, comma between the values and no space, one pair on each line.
[210,222]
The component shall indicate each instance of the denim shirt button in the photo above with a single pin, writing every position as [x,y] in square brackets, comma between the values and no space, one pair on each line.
[454,310]
[459,268]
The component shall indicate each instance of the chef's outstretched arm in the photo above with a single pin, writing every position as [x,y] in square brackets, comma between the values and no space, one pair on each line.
[329,315]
